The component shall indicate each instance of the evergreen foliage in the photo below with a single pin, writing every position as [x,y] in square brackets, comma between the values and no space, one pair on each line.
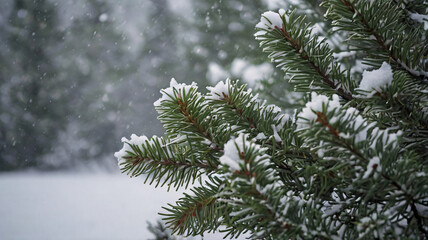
[351,164]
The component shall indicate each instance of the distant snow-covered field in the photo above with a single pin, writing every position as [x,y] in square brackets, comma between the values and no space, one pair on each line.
[65,206]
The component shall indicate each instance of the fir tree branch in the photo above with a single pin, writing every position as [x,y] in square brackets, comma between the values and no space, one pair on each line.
[333,171]
[305,56]
[167,162]
[193,121]
[323,120]
[164,162]
[402,105]
[412,201]
[184,112]
[403,48]
[299,53]
[246,111]
[193,215]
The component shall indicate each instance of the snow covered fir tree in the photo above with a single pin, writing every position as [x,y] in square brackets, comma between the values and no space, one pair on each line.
[351,163]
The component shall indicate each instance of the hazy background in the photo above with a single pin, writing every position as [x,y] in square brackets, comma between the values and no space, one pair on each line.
[76,76]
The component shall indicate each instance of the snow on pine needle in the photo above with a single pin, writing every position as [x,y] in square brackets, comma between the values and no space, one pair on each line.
[375,81]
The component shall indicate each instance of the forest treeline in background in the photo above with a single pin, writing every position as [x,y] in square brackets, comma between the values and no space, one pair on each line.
[77,75]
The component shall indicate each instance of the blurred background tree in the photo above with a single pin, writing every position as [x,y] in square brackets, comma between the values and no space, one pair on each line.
[93,58]
[29,85]
[55,84]
[75,76]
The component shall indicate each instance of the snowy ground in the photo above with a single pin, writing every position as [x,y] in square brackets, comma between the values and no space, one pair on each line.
[79,206]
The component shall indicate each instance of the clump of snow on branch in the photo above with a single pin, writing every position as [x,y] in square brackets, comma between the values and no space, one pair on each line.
[364,129]
[270,20]
[234,152]
[376,80]
[174,88]
[373,165]
[135,140]
[219,91]
[340,55]
[318,102]
[357,128]
[231,155]
[367,130]
[420,18]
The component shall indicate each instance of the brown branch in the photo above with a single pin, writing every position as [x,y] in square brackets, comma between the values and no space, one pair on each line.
[166,162]
[379,40]
[325,76]
[239,111]
[189,117]
[370,29]
[192,120]
[323,120]
[284,225]
[419,220]
[257,193]
[191,212]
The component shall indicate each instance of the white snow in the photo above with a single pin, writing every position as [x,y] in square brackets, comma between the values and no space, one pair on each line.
[321,151]
[340,55]
[231,155]
[358,67]
[332,210]
[80,206]
[233,149]
[375,80]
[270,20]
[317,28]
[358,123]
[275,134]
[103,17]
[422,209]
[420,18]
[363,222]
[273,108]
[219,91]
[169,93]
[374,164]
[284,119]
[316,104]
[122,152]
[261,136]
[358,129]
[83,206]
[135,140]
